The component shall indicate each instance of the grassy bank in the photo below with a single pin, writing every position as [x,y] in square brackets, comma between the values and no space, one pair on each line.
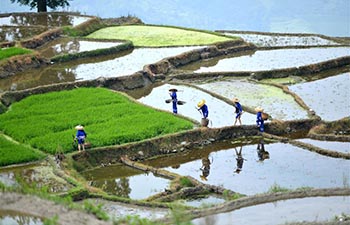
[14,153]
[12,51]
[47,121]
[158,36]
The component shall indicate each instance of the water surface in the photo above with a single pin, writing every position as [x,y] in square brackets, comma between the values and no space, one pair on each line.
[315,209]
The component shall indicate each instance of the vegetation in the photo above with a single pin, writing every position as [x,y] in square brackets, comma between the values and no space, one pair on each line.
[157,36]
[14,153]
[47,121]
[12,51]
[42,5]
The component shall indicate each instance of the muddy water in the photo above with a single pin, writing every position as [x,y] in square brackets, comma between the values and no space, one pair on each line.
[275,102]
[19,33]
[38,176]
[220,113]
[329,97]
[116,65]
[271,60]
[119,210]
[259,173]
[126,182]
[329,145]
[316,209]
[71,46]
[47,20]
[281,40]
[13,218]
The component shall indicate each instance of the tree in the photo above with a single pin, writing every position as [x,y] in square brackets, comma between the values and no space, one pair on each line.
[42,5]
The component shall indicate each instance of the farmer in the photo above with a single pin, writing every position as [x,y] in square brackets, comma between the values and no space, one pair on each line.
[259,118]
[238,111]
[80,136]
[204,108]
[172,93]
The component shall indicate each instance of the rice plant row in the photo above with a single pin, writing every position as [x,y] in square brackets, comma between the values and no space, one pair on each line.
[47,121]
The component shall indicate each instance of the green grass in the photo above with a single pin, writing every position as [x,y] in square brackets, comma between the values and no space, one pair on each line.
[12,51]
[13,153]
[47,121]
[158,36]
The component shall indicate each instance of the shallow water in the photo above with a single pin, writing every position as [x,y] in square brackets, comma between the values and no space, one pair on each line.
[126,182]
[328,97]
[269,40]
[47,20]
[301,168]
[315,209]
[71,46]
[116,65]
[271,60]
[275,102]
[329,145]
[37,176]
[220,113]
[13,218]
[19,33]
[204,202]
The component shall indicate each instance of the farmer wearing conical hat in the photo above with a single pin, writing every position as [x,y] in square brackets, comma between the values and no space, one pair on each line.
[204,108]
[80,136]
[238,111]
[259,119]
[172,93]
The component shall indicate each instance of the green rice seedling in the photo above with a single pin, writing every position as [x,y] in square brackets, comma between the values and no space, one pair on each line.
[14,153]
[12,51]
[47,121]
[156,36]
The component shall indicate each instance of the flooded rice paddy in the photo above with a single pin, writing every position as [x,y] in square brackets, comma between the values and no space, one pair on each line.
[126,182]
[262,60]
[70,46]
[220,113]
[329,145]
[268,40]
[278,104]
[8,34]
[13,218]
[122,64]
[316,209]
[42,19]
[329,97]
[259,173]
[38,176]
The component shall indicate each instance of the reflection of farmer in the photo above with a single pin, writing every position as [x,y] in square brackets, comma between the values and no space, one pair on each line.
[238,111]
[204,110]
[259,118]
[174,99]
[262,154]
[239,159]
[80,136]
[205,168]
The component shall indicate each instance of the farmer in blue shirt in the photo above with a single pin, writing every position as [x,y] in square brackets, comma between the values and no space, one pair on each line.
[80,136]
[259,119]
[174,99]
[204,108]
[238,111]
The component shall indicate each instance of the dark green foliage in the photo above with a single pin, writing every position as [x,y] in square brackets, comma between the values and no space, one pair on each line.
[42,5]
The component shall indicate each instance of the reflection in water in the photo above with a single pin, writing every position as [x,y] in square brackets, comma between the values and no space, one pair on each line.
[42,19]
[262,154]
[205,168]
[8,218]
[119,187]
[13,33]
[297,211]
[239,159]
